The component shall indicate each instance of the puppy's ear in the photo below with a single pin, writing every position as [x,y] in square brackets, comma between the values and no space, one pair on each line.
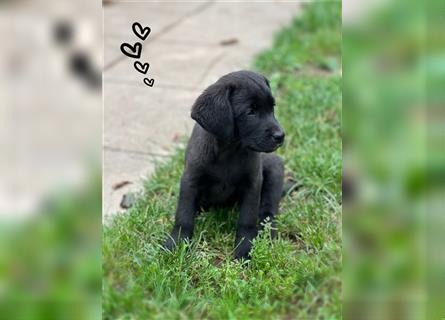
[213,111]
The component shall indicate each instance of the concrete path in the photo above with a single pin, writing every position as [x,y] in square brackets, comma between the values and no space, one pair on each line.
[190,46]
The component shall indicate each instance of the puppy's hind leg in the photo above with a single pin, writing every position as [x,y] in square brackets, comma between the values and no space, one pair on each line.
[273,176]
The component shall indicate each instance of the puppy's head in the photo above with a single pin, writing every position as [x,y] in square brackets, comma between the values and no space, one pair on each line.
[239,107]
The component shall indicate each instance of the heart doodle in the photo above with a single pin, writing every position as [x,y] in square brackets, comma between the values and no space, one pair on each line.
[132,51]
[142,68]
[149,82]
[141,32]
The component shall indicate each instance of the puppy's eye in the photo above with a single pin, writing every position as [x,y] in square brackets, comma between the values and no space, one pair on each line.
[252,110]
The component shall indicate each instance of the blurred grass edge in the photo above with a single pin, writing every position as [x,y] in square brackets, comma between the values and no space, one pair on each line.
[394,163]
[50,264]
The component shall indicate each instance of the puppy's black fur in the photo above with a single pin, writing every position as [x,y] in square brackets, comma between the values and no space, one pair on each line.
[228,158]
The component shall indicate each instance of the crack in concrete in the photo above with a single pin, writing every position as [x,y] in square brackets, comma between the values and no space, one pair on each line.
[142,153]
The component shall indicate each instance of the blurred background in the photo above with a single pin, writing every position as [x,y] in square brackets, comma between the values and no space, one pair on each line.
[393,160]
[50,163]
[51,141]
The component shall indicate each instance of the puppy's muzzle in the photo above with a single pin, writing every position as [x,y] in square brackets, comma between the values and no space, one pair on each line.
[278,136]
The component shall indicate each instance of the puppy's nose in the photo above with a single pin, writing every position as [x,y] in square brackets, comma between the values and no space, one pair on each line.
[278,136]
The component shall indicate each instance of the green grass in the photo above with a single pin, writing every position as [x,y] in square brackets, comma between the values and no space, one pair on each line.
[297,276]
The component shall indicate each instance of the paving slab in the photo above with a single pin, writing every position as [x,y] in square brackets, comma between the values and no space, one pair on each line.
[234,58]
[252,24]
[118,168]
[145,120]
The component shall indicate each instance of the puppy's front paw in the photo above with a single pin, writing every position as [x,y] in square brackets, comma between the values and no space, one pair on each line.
[178,234]
[169,244]
[242,250]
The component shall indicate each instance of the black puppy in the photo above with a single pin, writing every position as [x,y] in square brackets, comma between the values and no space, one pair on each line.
[225,161]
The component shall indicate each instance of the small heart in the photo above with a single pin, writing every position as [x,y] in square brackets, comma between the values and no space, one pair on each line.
[149,82]
[142,33]
[132,51]
[142,68]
